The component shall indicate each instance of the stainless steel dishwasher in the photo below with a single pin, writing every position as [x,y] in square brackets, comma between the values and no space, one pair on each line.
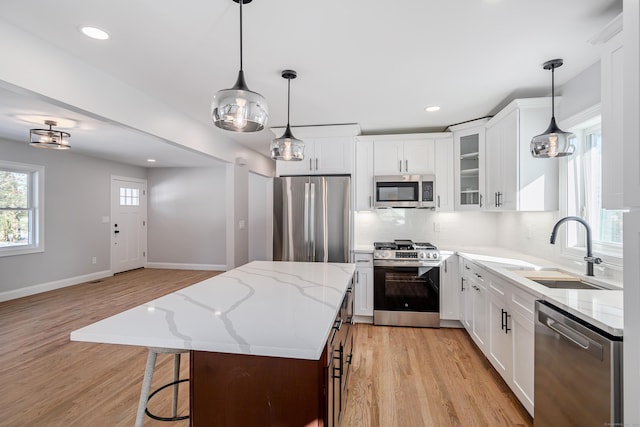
[578,372]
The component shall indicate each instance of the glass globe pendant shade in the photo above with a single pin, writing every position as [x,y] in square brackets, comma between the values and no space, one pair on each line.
[49,138]
[287,147]
[239,109]
[553,142]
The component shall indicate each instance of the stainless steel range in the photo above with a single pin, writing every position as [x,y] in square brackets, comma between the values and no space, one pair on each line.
[406,282]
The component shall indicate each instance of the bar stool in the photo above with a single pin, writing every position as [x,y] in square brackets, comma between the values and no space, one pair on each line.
[146,385]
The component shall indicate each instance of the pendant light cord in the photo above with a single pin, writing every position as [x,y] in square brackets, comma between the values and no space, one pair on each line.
[553,93]
[288,99]
[240,1]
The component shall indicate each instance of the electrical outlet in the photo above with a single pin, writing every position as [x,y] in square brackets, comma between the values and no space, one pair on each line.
[93,260]
[242,224]
[529,232]
[436,227]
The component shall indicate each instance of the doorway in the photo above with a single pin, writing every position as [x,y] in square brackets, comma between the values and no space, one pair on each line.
[128,224]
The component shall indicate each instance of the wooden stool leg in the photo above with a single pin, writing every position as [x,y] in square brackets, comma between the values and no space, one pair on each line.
[146,385]
[176,378]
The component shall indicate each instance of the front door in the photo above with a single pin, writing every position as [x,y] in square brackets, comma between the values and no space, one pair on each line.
[128,224]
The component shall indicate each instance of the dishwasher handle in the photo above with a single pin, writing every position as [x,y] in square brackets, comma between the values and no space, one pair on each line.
[577,338]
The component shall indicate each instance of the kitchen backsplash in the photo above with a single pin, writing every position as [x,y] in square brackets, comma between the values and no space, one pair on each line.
[443,229]
[524,232]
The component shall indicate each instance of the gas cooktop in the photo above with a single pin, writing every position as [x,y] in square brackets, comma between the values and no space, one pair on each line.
[403,244]
[402,252]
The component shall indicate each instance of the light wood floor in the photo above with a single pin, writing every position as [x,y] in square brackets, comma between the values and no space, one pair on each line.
[47,380]
[415,377]
[401,376]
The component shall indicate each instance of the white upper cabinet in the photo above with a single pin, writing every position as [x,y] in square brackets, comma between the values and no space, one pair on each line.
[469,151]
[364,174]
[612,76]
[444,154]
[327,150]
[515,180]
[405,154]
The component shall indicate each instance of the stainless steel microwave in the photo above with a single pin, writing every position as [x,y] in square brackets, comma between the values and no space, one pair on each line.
[404,191]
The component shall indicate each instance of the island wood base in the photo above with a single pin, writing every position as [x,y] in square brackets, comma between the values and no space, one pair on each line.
[242,390]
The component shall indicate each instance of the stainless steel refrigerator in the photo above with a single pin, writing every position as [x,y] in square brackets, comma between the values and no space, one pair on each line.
[311,218]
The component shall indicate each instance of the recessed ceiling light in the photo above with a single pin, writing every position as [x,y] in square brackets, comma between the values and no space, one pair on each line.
[94,33]
[151,160]
[432,108]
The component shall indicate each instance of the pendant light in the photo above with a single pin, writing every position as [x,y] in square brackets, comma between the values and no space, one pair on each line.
[553,142]
[287,147]
[239,109]
[49,138]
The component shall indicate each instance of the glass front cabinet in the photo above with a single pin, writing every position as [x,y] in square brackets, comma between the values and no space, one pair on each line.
[469,164]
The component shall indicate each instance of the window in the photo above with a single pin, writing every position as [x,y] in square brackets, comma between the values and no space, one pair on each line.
[129,196]
[584,196]
[21,206]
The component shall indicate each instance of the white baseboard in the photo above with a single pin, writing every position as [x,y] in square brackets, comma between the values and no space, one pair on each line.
[363,319]
[448,323]
[180,266]
[50,286]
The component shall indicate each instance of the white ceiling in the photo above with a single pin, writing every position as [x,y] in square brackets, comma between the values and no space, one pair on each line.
[371,62]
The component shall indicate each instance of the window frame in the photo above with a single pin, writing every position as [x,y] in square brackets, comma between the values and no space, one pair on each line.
[609,253]
[35,205]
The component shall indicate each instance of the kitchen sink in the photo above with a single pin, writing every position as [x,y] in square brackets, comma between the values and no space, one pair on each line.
[552,277]
[566,284]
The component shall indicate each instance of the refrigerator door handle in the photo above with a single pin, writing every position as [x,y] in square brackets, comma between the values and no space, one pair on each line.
[312,222]
[305,224]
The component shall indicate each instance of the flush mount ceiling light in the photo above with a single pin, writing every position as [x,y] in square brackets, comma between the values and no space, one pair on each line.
[432,108]
[287,147]
[553,142]
[49,138]
[239,109]
[95,33]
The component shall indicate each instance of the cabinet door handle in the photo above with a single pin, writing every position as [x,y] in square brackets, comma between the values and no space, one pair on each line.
[406,165]
[316,163]
[310,164]
[505,321]
[480,200]
[438,201]
[477,275]
[499,198]
[445,266]
[400,163]
[462,284]
[370,204]
[467,267]
[357,277]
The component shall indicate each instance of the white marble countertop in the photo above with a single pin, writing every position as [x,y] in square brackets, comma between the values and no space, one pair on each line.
[264,308]
[602,308]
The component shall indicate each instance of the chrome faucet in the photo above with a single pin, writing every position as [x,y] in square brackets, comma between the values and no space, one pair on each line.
[590,259]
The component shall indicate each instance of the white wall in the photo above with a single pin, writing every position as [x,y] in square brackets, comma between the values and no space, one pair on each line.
[260,218]
[77,196]
[187,217]
[456,228]
[579,93]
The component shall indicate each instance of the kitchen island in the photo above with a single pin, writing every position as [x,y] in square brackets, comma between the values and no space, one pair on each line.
[258,336]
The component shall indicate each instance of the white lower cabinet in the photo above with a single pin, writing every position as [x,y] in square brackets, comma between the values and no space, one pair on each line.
[522,306]
[499,317]
[475,303]
[499,347]
[363,295]
[449,289]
